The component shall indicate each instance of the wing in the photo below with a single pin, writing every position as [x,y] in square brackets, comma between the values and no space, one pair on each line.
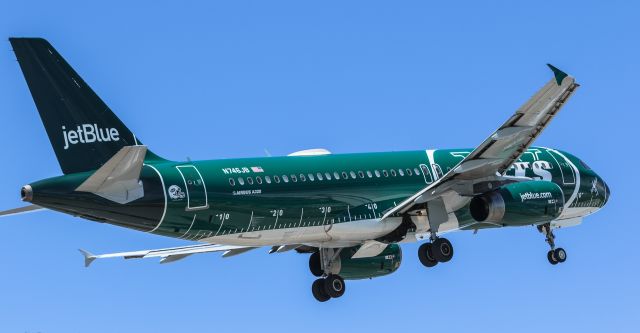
[169,254]
[476,172]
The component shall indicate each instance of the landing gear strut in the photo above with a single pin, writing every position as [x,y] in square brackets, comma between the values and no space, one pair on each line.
[440,249]
[555,255]
[325,264]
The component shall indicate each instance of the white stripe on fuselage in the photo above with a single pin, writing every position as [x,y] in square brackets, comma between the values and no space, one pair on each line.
[346,232]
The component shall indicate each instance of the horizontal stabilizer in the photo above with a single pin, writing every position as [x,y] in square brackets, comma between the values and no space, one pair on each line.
[118,179]
[21,210]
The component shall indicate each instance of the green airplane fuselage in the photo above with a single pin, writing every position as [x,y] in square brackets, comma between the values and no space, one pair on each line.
[275,200]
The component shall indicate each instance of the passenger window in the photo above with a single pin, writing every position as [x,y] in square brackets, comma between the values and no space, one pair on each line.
[385,173]
[294,178]
[277,179]
[319,176]
[232,182]
[353,174]
[336,175]
[259,180]
[311,178]
[240,181]
[393,172]
[344,175]
[377,173]
[285,178]
[400,172]
[416,171]
[303,178]
[327,176]
[250,180]
[409,172]
[267,179]
[369,174]
[360,174]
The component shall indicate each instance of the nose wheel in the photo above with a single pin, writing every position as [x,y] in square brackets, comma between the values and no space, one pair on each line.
[555,255]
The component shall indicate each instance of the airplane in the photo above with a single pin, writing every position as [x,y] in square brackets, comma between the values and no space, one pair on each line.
[348,212]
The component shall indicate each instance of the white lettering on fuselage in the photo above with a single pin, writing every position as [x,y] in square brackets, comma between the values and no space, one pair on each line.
[89,133]
[247,192]
[241,170]
[540,169]
[534,196]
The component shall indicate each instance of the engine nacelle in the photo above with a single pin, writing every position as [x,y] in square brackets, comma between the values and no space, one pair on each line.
[520,203]
[384,263]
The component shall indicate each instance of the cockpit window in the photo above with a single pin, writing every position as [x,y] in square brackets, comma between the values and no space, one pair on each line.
[584,165]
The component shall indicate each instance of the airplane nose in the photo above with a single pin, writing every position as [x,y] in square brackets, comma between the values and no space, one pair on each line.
[607,193]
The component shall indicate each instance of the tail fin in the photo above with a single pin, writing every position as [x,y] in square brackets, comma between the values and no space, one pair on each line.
[82,129]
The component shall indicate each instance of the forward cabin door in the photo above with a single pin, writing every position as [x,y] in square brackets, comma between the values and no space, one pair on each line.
[196,189]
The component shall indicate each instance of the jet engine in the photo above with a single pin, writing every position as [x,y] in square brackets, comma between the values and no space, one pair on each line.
[348,268]
[520,203]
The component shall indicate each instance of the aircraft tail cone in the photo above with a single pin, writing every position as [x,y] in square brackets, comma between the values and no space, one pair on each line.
[26,193]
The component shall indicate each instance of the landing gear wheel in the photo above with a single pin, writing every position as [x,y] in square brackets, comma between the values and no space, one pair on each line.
[552,258]
[425,254]
[314,264]
[560,255]
[317,288]
[334,285]
[442,250]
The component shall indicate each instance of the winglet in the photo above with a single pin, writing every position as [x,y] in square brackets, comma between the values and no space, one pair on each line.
[560,75]
[88,257]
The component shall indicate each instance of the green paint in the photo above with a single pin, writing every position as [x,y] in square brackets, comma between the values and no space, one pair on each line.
[559,75]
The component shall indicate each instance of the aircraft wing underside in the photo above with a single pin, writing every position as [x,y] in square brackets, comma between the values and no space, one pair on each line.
[170,254]
[176,253]
[482,169]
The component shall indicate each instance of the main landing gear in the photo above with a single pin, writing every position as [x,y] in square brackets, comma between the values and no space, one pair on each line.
[325,264]
[555,255]
[439,250]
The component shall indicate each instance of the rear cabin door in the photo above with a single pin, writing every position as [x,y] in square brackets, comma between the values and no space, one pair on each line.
[196,189]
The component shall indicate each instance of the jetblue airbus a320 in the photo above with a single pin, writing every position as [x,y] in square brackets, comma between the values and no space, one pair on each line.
[349,212]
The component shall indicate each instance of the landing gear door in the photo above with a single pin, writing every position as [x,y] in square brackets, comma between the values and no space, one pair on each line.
[196,189]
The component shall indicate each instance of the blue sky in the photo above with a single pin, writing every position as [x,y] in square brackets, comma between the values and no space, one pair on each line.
[215,79]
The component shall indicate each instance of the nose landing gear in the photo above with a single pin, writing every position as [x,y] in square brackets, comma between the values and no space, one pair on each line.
[555,255]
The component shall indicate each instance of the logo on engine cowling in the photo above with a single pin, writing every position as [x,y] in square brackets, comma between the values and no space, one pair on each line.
[89,133]
[175,192]
[533,196]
